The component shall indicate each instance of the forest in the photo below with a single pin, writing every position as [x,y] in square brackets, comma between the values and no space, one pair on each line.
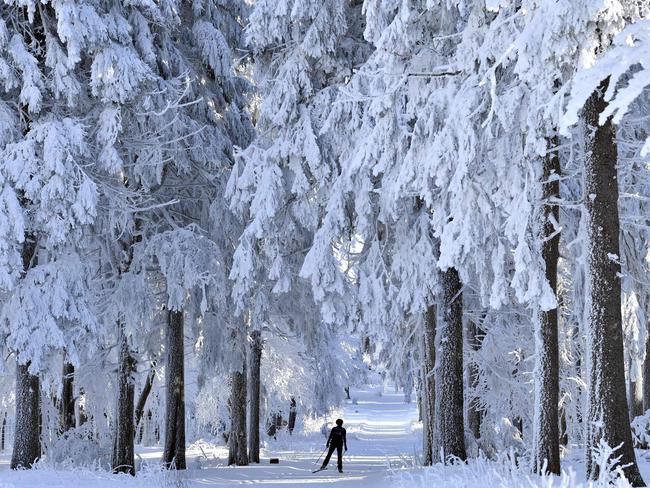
[226,223]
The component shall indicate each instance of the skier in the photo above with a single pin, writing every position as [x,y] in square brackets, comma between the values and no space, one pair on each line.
[338,441]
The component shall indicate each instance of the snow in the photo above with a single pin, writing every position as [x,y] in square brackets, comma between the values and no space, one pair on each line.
[382,437]
[308,169]
[384,440]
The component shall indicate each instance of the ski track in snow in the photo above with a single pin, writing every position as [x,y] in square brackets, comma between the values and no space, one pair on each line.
[381,438]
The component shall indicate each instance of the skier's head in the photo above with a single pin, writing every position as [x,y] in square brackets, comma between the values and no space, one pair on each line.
[339,422]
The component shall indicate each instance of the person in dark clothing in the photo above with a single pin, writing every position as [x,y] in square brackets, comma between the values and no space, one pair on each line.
[336,441]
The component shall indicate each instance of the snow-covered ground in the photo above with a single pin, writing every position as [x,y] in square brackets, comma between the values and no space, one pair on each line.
[383,438]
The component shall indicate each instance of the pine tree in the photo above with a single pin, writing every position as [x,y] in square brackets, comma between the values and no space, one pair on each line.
[174,453]
[608,417]
[123,449]
[595,91]
[142,401]
[254,384]
[429,383]
[546,436]
[27,438]
[237,437]
[68,419]
[449,434]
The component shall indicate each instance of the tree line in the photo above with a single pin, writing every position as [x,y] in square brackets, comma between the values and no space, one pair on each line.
[455,190]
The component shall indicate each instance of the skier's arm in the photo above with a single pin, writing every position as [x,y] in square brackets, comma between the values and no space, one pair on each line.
[345,440]
[329,439]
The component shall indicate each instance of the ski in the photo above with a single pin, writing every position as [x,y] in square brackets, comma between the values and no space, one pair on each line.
[319,469]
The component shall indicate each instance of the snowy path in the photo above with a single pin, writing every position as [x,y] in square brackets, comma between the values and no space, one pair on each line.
[380,437]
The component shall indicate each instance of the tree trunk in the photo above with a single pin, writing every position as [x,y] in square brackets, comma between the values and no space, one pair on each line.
[27,439]
[67,398]
[254,423]
[274,424]
[474,413]
[278,422]
[292,416]
[518,422]
[174,454]
[546,435]
[368,346]
[3,435]
[418,396]
[449,410]
[123,451]
[142,399]
[237,439]
[608,416]
[428,383]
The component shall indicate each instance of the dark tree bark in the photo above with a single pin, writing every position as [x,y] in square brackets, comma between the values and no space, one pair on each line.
[255,358]
[518,422]
[428,383]
[449,433]
[237,452]
[123,450]
[27,439]
[67,398]
[292,415]
[608,416]
[368,347]
[275,424]
[123,442]
[474,413]
[174,454]
[142,399]
[546,435]
[418,396]
[3,436]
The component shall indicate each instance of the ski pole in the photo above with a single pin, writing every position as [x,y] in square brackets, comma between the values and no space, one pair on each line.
[321,455]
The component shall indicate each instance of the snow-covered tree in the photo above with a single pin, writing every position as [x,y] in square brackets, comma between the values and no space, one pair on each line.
[216,217]
[301,51]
